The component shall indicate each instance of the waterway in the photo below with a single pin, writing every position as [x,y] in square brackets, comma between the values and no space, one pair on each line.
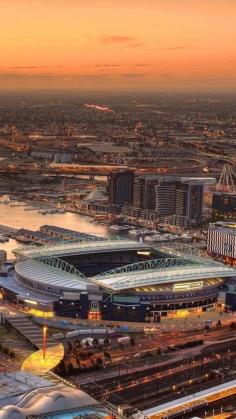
[18,217]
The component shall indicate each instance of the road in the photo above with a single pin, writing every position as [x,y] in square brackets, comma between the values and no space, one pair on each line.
[99,170]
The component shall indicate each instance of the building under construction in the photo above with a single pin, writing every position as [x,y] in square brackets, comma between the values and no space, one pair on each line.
[224,206]
[224,199]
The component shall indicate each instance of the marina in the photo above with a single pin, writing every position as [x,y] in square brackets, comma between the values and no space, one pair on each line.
[14,215]
[51,211]
[159,238]
[141,232]
[115,228]
[3,239]
[13,218]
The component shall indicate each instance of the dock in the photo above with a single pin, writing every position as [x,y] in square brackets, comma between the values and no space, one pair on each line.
[8,231]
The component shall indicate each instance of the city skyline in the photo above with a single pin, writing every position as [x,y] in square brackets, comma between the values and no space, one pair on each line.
[117,209]
[118,46]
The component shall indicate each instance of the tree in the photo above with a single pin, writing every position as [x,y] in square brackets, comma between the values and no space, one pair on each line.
[70,368]
[107,355]
[106,342]
[95,341]
[99,360]
[99,363]
[61,368]
[70,347]
[132,341]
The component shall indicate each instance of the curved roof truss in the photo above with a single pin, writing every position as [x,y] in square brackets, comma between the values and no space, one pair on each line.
[147,265]
[61,265]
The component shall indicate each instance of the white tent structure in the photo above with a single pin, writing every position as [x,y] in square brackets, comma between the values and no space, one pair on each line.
[43,401]
[94,195]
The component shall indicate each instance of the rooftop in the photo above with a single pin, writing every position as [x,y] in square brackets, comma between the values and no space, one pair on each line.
[95,195]
[80,248]
[179,178]
[11,284]
[226,193]
[45,400]
[105,148]
[119,281]
[17,383]
[31,233]
[185,403]
[66,231]
[36,271]
[224,227]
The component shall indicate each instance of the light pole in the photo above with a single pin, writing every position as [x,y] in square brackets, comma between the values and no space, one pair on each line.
[45,329]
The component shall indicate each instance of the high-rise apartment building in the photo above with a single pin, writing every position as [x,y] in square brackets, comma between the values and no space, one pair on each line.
[189,201]
[120,188]
[165,193]
[144,192]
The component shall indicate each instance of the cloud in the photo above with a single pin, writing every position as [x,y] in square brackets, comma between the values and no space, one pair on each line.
[107,65]
[121,40]
[175,47]
[135,44]
[116,39]
[170,48]
[166,76]
[133,75]
[92,77]
[28,67]
[208,80]
[24,67]
[29,76]
[119,65]
[106,76]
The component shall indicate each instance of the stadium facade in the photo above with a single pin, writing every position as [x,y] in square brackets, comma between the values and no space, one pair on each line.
[114,280]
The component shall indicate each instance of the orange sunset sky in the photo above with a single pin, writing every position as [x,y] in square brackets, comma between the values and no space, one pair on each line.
[118,45]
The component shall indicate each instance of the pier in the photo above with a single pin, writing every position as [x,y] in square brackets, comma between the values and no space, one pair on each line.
[8,231]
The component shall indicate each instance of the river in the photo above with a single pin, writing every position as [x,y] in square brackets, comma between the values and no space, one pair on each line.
[17,217]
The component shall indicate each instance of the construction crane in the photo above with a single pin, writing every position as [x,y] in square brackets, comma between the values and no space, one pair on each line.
[226,181]
[12,133]
[69,130]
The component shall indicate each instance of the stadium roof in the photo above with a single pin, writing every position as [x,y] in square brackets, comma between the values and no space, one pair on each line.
[36,271]
[127,280]
[22,291]
[77,248]
[43,265]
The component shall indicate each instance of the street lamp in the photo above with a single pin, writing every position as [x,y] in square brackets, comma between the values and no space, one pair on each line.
[45,329]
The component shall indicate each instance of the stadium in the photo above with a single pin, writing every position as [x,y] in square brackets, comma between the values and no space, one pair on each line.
[117,280]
